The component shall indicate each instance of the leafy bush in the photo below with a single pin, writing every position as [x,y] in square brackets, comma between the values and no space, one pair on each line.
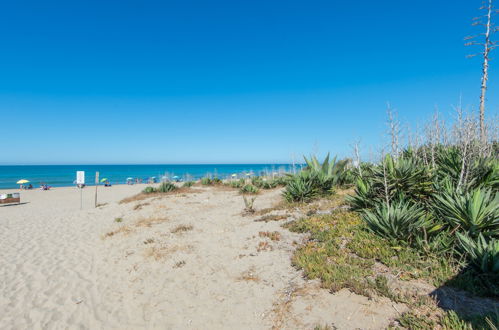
[483,255]
[475,212]
[400,221]
[331,172]
[149,190]
[249,189]
[364,198]
[301,188]
[235,184]
[166,187]
[206,181]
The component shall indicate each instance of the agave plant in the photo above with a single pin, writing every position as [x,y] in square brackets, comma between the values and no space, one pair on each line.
[335,172]
[475,212]
[249,189]
[483,254]
[148,190]
[302,188]
[166,187]
[487,174]
[400,221]
[363,197]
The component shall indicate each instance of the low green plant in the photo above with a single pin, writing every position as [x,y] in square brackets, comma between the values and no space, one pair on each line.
[249,189]
[248,203]
[301,188]
[188,184]
[400,221]
[206,181]
[235,184]
[149,190]
[166,187]
[483,254]
[475,212]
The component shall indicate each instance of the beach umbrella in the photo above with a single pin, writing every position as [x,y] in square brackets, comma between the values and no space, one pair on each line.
[129,179]
[104,180]
[175,177]
[22,181]
[234,175]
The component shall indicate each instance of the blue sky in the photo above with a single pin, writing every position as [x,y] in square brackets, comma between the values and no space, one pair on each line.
[225,81]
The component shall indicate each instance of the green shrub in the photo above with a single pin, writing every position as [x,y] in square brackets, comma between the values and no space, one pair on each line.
[166,187]
[401,221]
[475,212]
[206,181]
[235,184]
[364,198]
[149,190]
[330,172]
[188,184]
[301,188]
[483,255]
[249,189]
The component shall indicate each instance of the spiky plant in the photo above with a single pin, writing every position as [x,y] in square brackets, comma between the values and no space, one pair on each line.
[401,221]
[148,190]
[475,212]
[364,198]
[248,203]
[166,187]
[249,189]
[188,184]
[302,188]
[332,171]
[483,254]
[206,181]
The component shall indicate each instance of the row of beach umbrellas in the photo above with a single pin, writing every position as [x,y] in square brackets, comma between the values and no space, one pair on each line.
[23,181]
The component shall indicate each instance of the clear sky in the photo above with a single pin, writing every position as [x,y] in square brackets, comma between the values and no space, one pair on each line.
[225,81]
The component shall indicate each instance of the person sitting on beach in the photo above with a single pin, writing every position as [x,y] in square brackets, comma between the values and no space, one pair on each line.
[30,186]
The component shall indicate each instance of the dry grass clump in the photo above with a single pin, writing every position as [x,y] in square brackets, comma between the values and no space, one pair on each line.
[264,246]
[142,196]
[122,230]
[149,241]
[249,276]
[148,222]
[181,229]
[161,252]
[274,235]
[140,206]
[272,217]
[179,264]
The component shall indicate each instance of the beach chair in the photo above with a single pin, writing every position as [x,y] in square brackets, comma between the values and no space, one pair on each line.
[10,198]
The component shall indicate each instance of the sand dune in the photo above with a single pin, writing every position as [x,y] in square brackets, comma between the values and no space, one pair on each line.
[184,261]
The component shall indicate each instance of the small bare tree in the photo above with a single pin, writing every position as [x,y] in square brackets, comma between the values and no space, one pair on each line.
[393,130]
[488,44]
[356,151]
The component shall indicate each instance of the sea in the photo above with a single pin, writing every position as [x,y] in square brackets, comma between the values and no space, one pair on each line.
[65,175]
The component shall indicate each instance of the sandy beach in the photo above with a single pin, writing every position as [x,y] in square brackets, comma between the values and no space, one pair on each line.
[189,260]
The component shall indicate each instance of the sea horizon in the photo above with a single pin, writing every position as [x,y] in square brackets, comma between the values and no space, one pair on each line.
[63,175]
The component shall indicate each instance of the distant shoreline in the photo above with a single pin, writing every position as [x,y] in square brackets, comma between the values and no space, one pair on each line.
[65,175]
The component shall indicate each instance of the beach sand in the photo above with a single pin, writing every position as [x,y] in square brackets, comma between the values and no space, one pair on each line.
[190,260]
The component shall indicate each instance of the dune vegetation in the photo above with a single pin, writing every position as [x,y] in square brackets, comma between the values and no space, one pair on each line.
[421,213]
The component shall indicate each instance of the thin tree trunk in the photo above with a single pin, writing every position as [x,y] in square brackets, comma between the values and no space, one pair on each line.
[485,74]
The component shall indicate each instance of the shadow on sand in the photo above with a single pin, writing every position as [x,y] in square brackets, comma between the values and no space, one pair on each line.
[16,204]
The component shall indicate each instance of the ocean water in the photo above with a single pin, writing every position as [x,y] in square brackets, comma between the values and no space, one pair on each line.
[65,175]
